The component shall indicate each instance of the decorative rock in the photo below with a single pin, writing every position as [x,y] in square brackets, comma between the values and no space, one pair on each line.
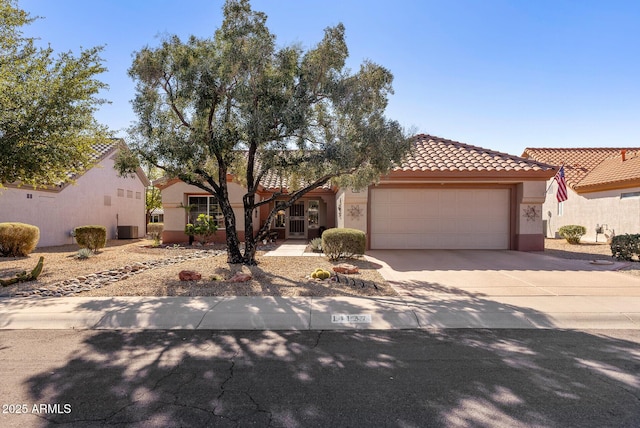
[189,275]
[345,268]
[97,280]
[240,277]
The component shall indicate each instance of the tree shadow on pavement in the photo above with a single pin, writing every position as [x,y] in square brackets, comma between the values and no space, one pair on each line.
[343,378]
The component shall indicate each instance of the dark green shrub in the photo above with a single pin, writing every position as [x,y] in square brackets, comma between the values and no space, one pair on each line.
[204,227]
[18,239]
[155,230]
[625,247]
[343,243]
[92,237]
[572,233]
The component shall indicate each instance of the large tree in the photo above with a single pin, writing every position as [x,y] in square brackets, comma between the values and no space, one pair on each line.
[236,104]
[47,103]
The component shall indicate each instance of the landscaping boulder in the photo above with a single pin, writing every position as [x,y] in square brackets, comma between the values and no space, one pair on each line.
[189,275]
[345,268]
[240,277]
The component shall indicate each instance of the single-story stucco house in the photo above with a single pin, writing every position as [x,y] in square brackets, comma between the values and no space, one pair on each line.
[444,195]
[97,197]
[603,187]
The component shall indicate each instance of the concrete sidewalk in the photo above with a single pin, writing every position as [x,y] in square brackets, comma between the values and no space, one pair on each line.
[437,290]
[291,248]
[327,313]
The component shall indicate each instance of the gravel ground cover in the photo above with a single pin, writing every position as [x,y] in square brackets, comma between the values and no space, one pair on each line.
[585,251]
[149,271]
[274,276]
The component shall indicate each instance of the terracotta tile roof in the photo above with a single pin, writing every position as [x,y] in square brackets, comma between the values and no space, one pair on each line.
[441,155]
[101,151]
[614,172]
[273,181]
[591,167]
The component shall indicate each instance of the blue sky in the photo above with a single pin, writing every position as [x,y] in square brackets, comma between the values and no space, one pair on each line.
[504,75]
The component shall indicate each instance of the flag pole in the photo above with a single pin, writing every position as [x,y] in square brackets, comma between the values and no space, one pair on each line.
[554,177]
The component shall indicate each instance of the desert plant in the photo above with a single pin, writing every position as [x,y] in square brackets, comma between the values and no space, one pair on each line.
[572,233]
[18,239]
[320,273]
[24,276]
[92,237]
[155,230]
[625,247]
[83,254]
[204,227]
[343,243]
[316,244]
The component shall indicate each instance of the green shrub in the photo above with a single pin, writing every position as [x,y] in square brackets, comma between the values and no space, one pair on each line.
[91,237]
[316,244]
[155,230]
[625,247]
[18,239]
[343,243]
[572,233]
[204,227]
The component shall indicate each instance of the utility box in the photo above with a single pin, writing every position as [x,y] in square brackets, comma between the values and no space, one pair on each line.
[127,232]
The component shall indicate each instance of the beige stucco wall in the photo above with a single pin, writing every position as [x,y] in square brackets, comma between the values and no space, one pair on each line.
[351,209]
[175,196]
[529,199]
[592,209]
[92,200]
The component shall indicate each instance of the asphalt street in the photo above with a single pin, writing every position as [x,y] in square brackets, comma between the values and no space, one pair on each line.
[402,378]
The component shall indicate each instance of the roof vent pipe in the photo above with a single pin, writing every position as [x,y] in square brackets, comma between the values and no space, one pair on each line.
[624,155]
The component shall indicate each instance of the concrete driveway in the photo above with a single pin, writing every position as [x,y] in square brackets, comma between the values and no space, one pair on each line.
[542,290]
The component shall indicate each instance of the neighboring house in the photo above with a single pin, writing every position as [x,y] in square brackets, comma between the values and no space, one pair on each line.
[156,215]
[444,195]
[97,197]
[603,190]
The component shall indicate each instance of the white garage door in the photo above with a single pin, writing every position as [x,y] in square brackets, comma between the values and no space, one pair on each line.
[440,219]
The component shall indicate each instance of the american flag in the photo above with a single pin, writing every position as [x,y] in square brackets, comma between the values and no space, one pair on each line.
[561,194]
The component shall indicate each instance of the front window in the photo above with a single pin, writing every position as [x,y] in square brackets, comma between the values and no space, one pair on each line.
[205,205]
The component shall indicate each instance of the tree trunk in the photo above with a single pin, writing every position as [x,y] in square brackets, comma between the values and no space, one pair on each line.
[233,243]
[249,238]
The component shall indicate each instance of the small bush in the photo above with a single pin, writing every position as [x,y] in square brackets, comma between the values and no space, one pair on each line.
[572,233]
[155,230]
[18,239]
[316,244]
[204,227]
[91,237]
[625,247]
[83,254]
[343,243]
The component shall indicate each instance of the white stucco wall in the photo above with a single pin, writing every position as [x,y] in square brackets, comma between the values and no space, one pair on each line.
[621,215]
[175,196]
[93,200]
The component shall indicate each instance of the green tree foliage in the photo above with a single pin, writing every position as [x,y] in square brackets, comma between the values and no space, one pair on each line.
[236,104]
[153,198]
[46,105]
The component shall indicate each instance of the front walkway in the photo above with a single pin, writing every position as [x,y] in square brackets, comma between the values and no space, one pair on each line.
[291,248]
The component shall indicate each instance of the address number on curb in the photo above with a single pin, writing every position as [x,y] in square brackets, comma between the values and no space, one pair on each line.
[348,318]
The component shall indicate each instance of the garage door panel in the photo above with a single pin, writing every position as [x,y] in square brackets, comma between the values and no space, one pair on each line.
[440,218]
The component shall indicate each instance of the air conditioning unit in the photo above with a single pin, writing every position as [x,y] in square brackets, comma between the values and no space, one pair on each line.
[127,232]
